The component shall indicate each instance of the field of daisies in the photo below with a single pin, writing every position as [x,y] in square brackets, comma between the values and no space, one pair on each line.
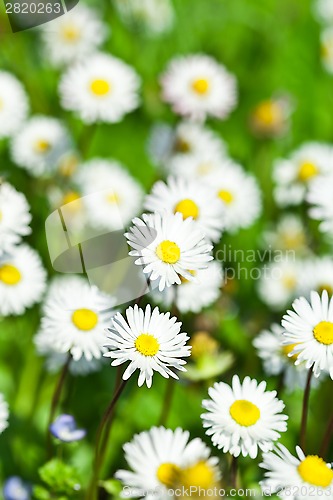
[166,238]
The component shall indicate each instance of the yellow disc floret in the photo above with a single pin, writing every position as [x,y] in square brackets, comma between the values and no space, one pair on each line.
[168,474]
[244,412]
[315,471]
[323,332]
[147,344]
[201,86]
[188,208]
[168,251]
[9,274]
[226,196]
[307,171]
[84,319]
[200,475]
[100,87]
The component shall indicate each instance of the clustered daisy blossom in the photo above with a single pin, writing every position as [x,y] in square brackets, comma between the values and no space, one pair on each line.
[101,89]
[162,459]
[321,201]
[168,247]
[299,478]
[197,86]
[152,17]
[73,36]
[309,328]
[150,341]
[243,418]
[15,217]
[75,318]
[14,104]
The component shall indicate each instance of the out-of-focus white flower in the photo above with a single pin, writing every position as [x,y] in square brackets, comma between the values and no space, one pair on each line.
[73,36]
[324,11]
[197,86]
[4,413]
[152,17]
[22,280]
[14,217]
[14,104]
[40,144]
[288,234]
[101,89]
[316,275]
[320,196]
[294,176]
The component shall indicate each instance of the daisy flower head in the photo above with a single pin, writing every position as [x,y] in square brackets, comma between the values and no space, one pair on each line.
[4,413]
[168,247]
[73,36]
[279,282]
[194,295]
[299,477]
[22,280]
[316,275]
[200,166]
[309,328]
[294,176]
[101,89]
[150,341]
[115,196]
[270,118]
[152,17]
[40,144]
[162,459]
[14,217]
[288,234]
[239,194]
[75,317]
[197,86]
[14,104]
[320,197]
[243,418]
[191,199]
[324,11]
[186,141]
[276,357]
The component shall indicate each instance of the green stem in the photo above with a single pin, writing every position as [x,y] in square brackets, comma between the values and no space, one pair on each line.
[167,401]
[327,439]
[305,410]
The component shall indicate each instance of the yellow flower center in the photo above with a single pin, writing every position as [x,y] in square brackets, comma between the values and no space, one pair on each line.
[323,332]
[202,344]
[200,86]
[182,146]
[307,171]
[100,87]
[226,196]
[185,280]
[287,349]
[188,208]
[113,198]
[71,33]
[200,475]
[314,470]
[168,474]
[147,345]
[328,288]
[70,197]
[42,146]
[168,251]
[268,113]
[84,319]
[204,168]
[244,412]
[9,274]
[289,282]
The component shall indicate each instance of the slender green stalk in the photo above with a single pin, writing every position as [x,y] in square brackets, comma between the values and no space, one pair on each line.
[305,409]
[327,439]
[233,472]
[167,401]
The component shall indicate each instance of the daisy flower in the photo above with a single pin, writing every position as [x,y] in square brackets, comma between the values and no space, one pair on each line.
[162,459]
[324,11]
[320,197]
[116,196]
[197,86]
[294,176]
[194,296]
[238,193]
[75,317]
[191,199]
[270,118]
[168,247]
[276,358]
[309,327]
[103,88]
[4,413]
[150,341]
[73,36]
[299,478]
[288,234]
[14,217]
[201,166]
[152,17]
[40,144]
[243,418]
[316,275]
[279,281]
[186,141]
[14,104]
[22,280]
